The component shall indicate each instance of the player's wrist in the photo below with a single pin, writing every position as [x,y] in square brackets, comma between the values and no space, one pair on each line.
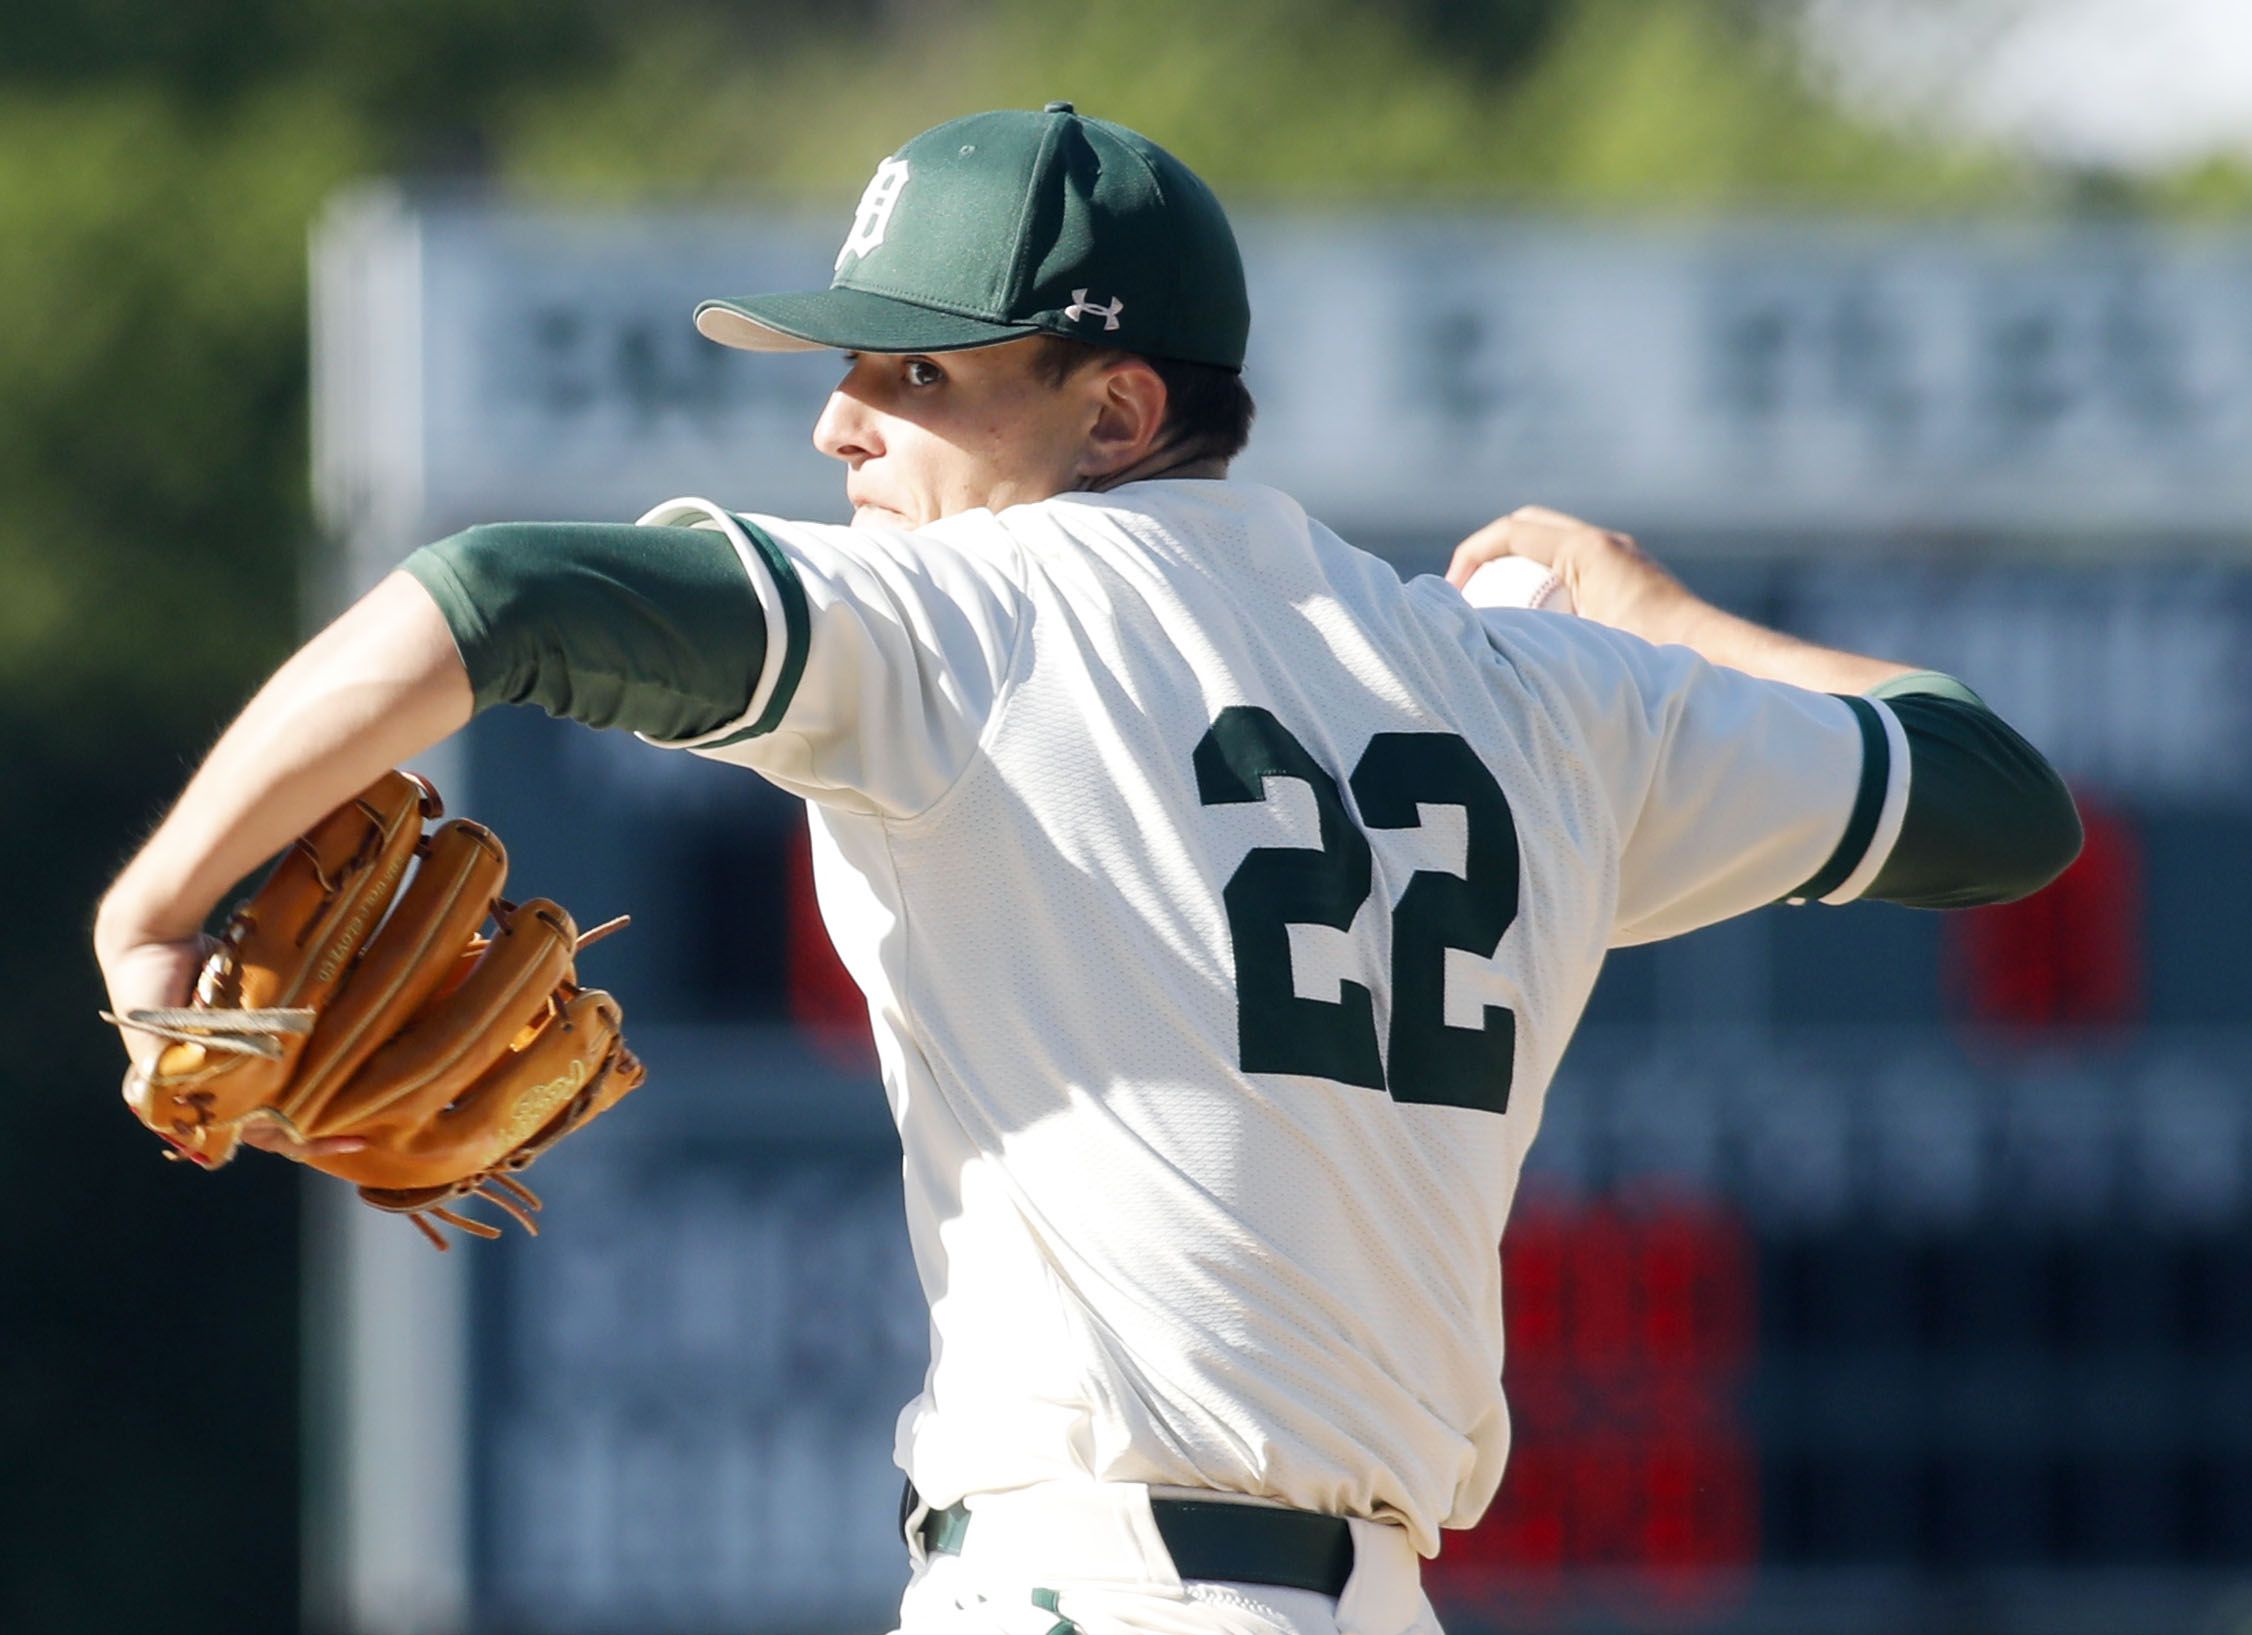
[1614,582]
[134,914]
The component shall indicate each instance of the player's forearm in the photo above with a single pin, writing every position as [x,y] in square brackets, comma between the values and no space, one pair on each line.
[1724,638]
[1631,592]
[377,687]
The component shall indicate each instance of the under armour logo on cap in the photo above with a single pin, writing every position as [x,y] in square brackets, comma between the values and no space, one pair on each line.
[1081,307]
[874,214]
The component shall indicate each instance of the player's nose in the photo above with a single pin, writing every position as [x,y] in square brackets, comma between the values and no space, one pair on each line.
[847,429]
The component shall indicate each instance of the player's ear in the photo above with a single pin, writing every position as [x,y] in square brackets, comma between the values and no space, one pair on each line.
[1127,398]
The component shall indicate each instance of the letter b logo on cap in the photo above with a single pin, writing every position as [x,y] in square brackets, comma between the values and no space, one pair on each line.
[874,214]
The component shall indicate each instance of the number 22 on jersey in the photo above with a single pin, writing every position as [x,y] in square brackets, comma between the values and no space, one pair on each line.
[1276,887]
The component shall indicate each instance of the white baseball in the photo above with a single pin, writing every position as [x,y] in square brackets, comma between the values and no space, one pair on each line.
[1518,581]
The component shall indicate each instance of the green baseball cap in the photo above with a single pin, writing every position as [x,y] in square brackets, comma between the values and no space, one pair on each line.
[1001,225]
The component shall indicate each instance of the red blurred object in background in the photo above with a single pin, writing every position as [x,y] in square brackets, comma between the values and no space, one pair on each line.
[1631,1334]
[825,1002]
[2071,955]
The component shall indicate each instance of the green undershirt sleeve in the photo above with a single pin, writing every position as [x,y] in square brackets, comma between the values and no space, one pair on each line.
[658,630]
[1988,819]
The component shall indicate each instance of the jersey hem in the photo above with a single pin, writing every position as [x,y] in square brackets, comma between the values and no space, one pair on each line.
[781,600]
[1879,802]
[1890,816]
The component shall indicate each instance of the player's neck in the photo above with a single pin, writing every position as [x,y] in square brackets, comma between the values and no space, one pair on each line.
[1164,462]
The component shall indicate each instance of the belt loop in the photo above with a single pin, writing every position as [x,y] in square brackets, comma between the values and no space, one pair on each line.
[912,1510]
[1384,1595]
[1140,1522]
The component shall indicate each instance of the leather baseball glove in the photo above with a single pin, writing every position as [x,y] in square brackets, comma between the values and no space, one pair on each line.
[338,1004]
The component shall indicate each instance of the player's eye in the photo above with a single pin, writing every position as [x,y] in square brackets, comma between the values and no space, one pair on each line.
[922,372]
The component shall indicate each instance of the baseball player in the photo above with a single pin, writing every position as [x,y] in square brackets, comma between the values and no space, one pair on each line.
[1223,903]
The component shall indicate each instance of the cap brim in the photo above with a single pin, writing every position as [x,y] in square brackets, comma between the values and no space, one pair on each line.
[847,319]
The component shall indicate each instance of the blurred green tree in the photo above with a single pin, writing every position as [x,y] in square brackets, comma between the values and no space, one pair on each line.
[1655,104]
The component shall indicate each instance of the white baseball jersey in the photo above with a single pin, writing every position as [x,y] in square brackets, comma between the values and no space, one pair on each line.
[1223,905]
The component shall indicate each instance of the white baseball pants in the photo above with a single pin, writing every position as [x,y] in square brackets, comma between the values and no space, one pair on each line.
[1086,1559]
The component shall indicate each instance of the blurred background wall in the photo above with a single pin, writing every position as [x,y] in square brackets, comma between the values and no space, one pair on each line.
[161,167]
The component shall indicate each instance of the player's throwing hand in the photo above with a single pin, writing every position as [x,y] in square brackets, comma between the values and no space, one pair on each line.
[1608,577]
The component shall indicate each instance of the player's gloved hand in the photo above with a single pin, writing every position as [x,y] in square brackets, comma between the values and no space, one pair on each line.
[357,1018]
[146,972]
[1608,576]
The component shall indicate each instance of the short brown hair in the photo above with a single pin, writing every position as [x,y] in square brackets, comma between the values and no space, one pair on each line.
[1208,409]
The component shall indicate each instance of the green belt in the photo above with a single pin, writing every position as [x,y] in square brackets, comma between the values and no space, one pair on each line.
[1212,1539]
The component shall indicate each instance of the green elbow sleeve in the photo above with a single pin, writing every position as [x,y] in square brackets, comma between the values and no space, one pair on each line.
[657,630]
[1988,820]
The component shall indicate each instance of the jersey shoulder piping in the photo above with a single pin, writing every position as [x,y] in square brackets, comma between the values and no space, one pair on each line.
[797,628]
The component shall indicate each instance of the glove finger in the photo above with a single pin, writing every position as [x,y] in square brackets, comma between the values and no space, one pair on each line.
[571,1067]
[446,1048]
[461,872]
[626,1074]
